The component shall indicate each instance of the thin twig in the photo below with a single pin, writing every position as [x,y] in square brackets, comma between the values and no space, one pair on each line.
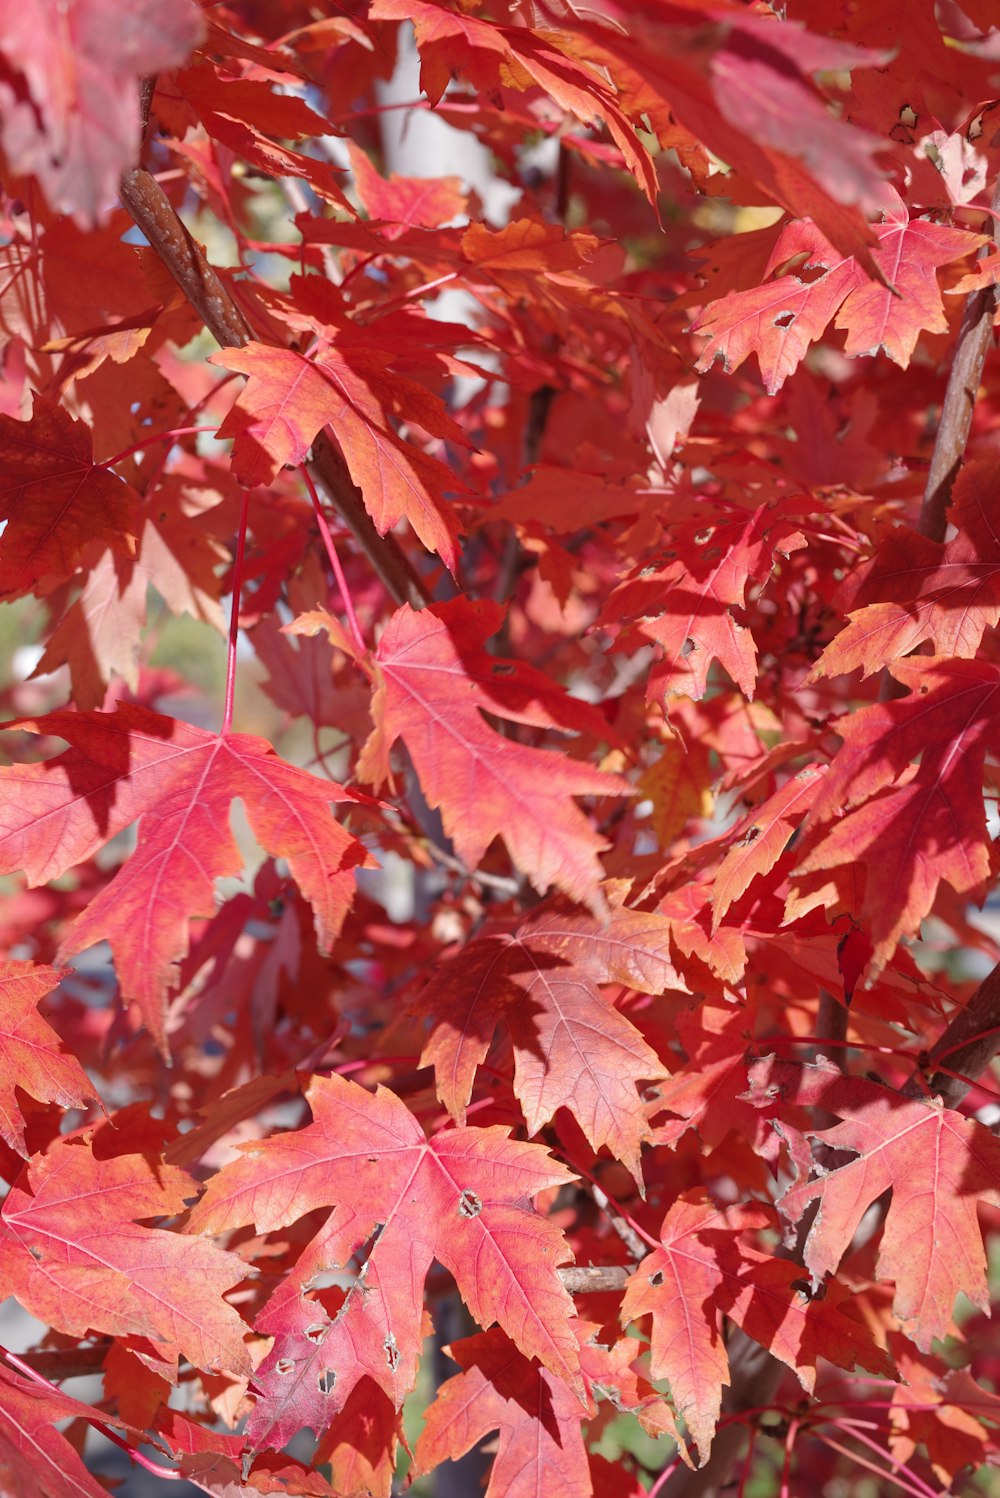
[25,1368]
[585,1279]
[234,616]
[334,559]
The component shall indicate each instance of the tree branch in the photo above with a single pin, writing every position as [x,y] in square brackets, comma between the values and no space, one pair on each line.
[186,261]
[584,1279]
[970,1041]
[57,1363]
[959,402]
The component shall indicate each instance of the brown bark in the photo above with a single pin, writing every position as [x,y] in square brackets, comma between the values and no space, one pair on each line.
[974,338]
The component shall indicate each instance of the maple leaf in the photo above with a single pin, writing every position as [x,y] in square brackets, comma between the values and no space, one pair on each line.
[703,1269]
[686,606]
[780,319]
[915,589]
[572,1047]
[74,120]
[211,1461]
[763,837]
[777,320]
[723,951]
[360,1442]
[73,1253]
[707,1095]
[31,1058]
[916,827]
[435,681]
[489,55]
[34,1456]
[179,781]
[938,1165]
[541,1446]
[290,398]
[463,1197]
[736,88]
[243,113]
[405,202]
[56,500]
[100,634]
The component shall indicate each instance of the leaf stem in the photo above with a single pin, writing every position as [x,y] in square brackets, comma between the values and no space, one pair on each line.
[143,1461]
[127,452]
[663,1478]
[632,1233]
[234,617]
[855,1456]
[786,1466]
[338,571]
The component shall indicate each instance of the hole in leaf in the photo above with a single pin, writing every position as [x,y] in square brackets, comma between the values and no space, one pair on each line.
[656,1278]
[784,319]
[469,1204]
[327,1379]
[391,1351]
[315,1332]
[285,1366]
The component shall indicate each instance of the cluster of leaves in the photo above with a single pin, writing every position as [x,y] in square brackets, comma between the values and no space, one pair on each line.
[659,681]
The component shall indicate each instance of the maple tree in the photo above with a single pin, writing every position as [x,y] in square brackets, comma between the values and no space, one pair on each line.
[501,710]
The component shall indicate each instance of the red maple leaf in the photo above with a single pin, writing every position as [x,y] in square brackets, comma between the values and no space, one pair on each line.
[31,1059]
[436,679]
[245,113]
[938,1165]
[704,1262]
[489,55]
[779,319]
[915,826]
[463,1197]
[179,782]
[56,500]
[915,589]
[350,387]
[74,120]
[686,606]
[73,1252]
[572,1047]
[35,1457]
[405,202]
[541,1446]
[763,836]
[707,1095]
